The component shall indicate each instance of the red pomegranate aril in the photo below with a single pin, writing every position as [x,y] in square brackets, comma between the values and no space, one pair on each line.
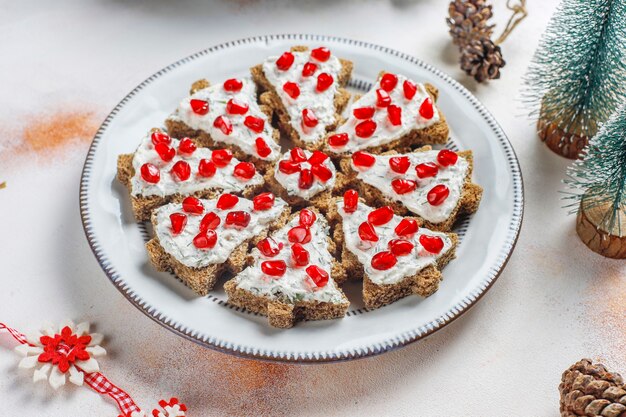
[380,216]
[299,255]
[297,155]
[400,247]
[227,201]
[193,205]
[307,218]
[291,89]
[406,228]
[403,186]
[309,119]
[263,201]
[324,81]
[178,221]
[274,268]
[285,61]
[205,240]
[409,88]
[427,170]
[299,234]
[288,167]
[269,247]
[244,171]
[199,107]
[399,164]
[165,151]
[438,194]
[318,275]
[317,157]
[338,140]
[350,201]
[233,84]
[363,159]
[383,261]
[223,124]
[186,146]
[321,172]
[382,98]
[426,109]
[210,222]
[160,137]
[365,129]
[235,106]
[394,114]
[306,179]
[262,148]
[367,232]
[432,244]
[363,113]
[206,168]
[256,124]
[239,219]
[221,157]
[321,54]
[309,69]
[181,170]
[388,82]
[447,157]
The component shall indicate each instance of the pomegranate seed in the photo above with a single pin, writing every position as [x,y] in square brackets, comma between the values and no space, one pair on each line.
[384,260]
[235,106]
[388,82]
[223,124]
[244,170]
[427,169]
[321,53]
[394,114]
[165,151]
[438,194]
[317,157]
[318,275]
[239,219]
[233,84]
[210,222]
[409,88]
[382,98]
[432,244]
[367,232]
[205,240]
[299,255]
[426,109]
[306,179]
[399,164]
[262,148]
[309,69]
[365,129]
[350,201]
[206,168]
[269,247]
[446,157]
[338,140]
[288,167]
[324,80]
[321,172]
[307,218]
[159,137]
[200,107]
[193,205]
[182,170]
[285,61]
[221,157]
[178,221]
[274,268]
[363,159]
[402,186]
[186,146]
[227,201]
[291,89]
[256,124]
[263,201]
[406,228]
[297,155]
[309,119]
[364,112]
[380,216]
[400,247]
[299,234]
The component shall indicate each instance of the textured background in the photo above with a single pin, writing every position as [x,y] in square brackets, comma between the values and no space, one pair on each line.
[63,68]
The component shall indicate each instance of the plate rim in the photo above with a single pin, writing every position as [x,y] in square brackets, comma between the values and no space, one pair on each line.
[392,343]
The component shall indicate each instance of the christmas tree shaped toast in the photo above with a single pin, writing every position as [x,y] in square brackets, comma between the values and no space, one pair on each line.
[199,239]
[227,115]
[393,255]
[305,89]
[395,114]
[164,169]
[292,275]
[436,186]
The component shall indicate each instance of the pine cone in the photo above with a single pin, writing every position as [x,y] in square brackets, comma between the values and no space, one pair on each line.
[468,19]
[590,390]
[482,59]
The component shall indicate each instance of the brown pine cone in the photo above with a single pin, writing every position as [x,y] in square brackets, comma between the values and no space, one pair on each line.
[588,389]
[467,19]
[482,59]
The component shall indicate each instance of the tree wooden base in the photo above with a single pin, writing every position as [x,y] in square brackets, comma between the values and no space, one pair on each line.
[569,145]
[607,243]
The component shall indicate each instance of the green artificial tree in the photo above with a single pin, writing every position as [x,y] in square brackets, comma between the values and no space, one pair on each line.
[576,77]
[598,184]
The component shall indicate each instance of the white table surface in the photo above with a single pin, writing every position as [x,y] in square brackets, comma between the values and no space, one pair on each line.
[66,64]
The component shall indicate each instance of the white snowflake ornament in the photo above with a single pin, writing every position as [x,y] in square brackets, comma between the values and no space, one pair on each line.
[171,408]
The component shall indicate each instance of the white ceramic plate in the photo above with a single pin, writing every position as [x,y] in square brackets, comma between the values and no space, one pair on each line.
[487,238]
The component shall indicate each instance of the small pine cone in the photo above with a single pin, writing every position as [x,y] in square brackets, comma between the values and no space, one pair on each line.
[482,59]
[467,19]
[588,389]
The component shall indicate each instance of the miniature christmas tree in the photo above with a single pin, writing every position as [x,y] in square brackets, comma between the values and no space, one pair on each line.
[576,77]
[599,184]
